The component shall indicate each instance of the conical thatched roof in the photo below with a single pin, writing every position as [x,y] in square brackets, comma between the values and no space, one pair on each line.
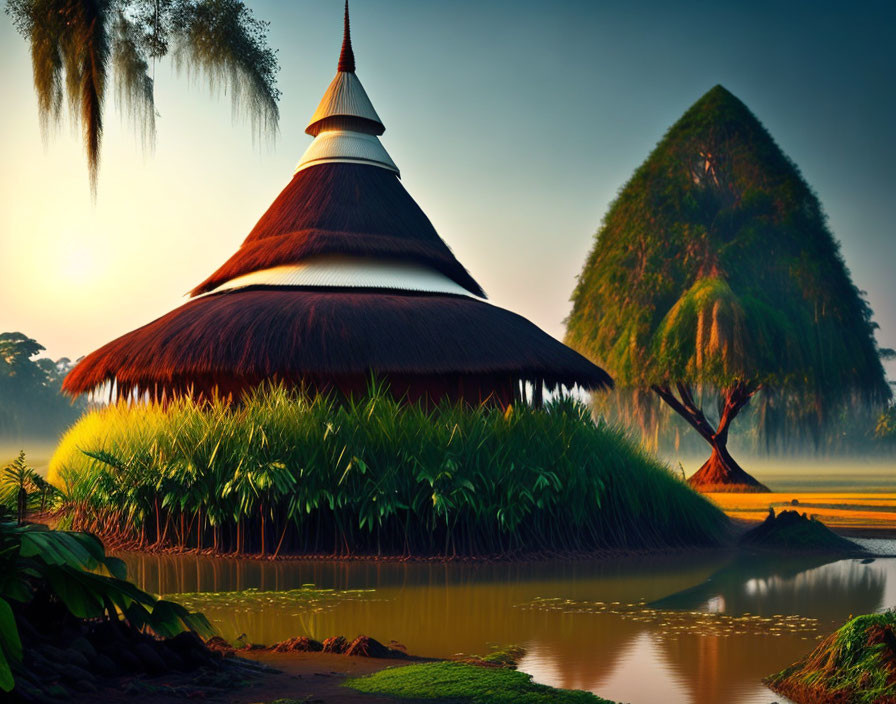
[320,335]
[343,277]
[337,208]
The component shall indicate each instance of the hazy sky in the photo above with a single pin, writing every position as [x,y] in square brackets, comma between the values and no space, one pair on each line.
[513,123]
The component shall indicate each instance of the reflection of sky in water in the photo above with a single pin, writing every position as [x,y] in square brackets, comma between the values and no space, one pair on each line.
[440,610]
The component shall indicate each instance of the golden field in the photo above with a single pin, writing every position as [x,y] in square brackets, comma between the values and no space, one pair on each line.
[853,510]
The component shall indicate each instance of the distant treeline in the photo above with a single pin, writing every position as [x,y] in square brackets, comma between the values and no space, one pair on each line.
[31,404]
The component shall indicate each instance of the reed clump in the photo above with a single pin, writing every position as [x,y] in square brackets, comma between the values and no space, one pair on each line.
[288,473]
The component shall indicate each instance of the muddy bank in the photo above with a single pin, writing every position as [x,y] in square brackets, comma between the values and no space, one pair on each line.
[295,676]
[132,667]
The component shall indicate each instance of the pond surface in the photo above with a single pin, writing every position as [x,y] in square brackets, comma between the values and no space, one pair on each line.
[679,629]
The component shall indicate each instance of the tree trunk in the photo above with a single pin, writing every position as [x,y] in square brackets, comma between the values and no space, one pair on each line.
[264,551]
[720,472]
[22,504]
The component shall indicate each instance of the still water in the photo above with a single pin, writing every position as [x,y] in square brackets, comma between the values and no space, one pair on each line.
[680,629]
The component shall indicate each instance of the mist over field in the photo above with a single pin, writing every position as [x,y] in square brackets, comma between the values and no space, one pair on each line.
[805,471]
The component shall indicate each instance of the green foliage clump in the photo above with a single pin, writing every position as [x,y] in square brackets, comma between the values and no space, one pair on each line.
[855,664]
[885,429]
[715,269]
[283,471]
[73,570]
[468,683]
[21,488]
[505,656]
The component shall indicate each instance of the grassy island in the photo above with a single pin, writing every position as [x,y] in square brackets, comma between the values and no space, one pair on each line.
[284,473]
[857,664]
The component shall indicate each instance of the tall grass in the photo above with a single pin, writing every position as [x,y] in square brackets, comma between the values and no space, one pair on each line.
[287,473]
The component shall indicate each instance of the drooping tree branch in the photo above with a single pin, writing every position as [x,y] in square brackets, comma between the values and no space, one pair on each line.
[694,416]
[734,399]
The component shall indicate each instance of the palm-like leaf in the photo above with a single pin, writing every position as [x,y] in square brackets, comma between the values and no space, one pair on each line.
[74,568]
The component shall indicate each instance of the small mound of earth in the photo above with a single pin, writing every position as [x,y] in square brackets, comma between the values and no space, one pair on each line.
[716,476]
[366,647]
[362,646]
[302,644]
[857,664]
[794,531]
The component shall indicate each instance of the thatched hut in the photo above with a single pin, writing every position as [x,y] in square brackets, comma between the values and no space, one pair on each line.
[343,278]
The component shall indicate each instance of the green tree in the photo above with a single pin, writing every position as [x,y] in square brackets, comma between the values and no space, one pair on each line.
[31,404]
[714,273]
[18,478]
[885,429]
[76,44]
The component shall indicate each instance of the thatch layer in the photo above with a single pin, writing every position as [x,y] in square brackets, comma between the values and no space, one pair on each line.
[349,209]
[286,333]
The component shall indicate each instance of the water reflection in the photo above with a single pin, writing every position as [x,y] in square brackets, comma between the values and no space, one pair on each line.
[440,610]
[808,585]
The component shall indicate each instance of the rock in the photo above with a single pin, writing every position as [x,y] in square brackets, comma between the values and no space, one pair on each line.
[27,691]
[172,660]
[73,673]
[336,644]
[126,658]
[150,659]
[218,644]
[184,642]
[104,665]
[76,657]
[38,663]
[52,653]
[83,646]
[84,686]
[58,691]
[190,648]
[367,647]
[301,644]
[108,635]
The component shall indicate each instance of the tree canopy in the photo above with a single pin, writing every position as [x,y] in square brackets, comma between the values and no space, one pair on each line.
[715,268]
[31,403]
[715,264]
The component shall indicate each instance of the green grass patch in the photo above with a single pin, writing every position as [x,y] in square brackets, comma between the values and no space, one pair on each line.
[469,683]
[856,664]
[287,473]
